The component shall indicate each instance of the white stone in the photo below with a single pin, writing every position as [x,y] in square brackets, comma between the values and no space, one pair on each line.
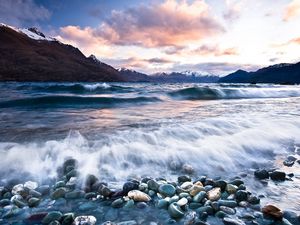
[182,202]
[85,220]
[17,189]
[31,185]
[139,196]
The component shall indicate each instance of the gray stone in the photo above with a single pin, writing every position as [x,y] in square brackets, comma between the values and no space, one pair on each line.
[228,203]
[175,211]
[85,220]
[52,216]
[118,203]
[167,190]
[74,194]
[58,193]
[231,221]
[199,197]
[227,210]
[153,185]
[33,202]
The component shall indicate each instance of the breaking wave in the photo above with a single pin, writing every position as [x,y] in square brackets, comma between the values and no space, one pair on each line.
[66,101]
[214,93]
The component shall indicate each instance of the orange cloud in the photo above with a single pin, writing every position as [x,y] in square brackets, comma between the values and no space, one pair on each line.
[85,40]
[172,23]
[215,50]
[294,41]
[292,10]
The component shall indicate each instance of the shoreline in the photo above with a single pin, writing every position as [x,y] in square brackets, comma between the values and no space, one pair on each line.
[156,201]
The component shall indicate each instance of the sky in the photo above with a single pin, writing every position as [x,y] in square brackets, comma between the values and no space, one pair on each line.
[208,36]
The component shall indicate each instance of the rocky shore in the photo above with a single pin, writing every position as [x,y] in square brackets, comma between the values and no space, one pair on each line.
[151,201]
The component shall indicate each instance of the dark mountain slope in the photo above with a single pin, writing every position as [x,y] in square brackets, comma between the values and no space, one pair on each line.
[27,59]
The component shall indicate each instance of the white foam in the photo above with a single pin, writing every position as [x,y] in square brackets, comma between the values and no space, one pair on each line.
[214,146]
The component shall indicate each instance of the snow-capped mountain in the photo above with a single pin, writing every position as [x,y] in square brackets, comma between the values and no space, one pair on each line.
[29,55]
[31,32]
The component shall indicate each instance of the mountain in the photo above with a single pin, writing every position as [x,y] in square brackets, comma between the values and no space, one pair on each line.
[134,76]
[283,73]
[28,55]
[184,77]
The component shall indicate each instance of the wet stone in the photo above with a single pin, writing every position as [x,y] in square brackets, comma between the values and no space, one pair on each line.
[167,190]
[199,197]
[261,174]
[59,193]
[139,196]
[175,211]
[85,220]
[277,175]
[153,185]
[118,203]
[33,202]
[231,221]
[241,195]
[184,178]
[273,212]
[227,210]
[74,194]
[129,186]
[52,216]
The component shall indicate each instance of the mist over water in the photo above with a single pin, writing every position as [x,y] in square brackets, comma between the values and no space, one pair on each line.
[121,130]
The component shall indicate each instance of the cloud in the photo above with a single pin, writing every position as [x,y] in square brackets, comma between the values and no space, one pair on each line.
[292,10]
[22,12]
[171,23]
[215,50]
[217,68]
[293,41]
[233,11]
[85,40]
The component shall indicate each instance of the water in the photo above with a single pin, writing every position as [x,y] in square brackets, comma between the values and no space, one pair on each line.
[123,130]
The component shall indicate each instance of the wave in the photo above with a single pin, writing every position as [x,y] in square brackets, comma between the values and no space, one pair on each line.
[96,88]
[214,93]
[66,101]
[220,146]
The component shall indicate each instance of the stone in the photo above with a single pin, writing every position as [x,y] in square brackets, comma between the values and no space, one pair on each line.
[105,191]
[141,205]
[228,203]
[87,206]
[18,190]
[175,211]
[129,186]
[58,193]
[241,195]
[35,193]
[72,183]
[261,174]
[227,210]
[197,187]
[90,195]
[188,169]
[175,198]
[221,184]
[231,221]
[162,204]
[153,185]
[182,202]
[292,217]
[138,196]
[187,186]
[231,189]
[118,203]
[273,212]
[60,184]
[129,204]
[143,187]
[277,175]
[85,220]
[184,178]
[19,203]
[129,222]
[31,185]
[72,173]
[253,200]
[214,194]
[194,205]
[33,202]
[220,214]
[4,202]
[55,222]
[289,161]
[208,209]
[237,182]
[74,194]
[167,190]
[199,197]
[68,219]
[44,189]
[52,216]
